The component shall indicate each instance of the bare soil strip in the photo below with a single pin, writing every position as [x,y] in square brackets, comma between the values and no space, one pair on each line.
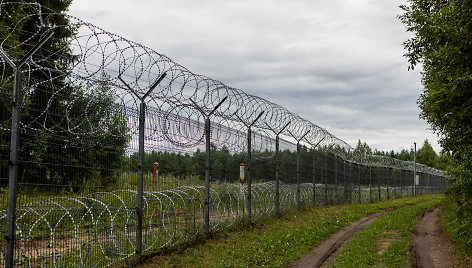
[324,252]
[430,246]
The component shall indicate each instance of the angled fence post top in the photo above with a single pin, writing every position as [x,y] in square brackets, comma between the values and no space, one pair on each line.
[14,149]
[251,123]
[140,189]
[153,86]
[278,132]
[212,111]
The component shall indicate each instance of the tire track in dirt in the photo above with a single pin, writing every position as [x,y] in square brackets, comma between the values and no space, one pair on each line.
[430,247]
[324,252]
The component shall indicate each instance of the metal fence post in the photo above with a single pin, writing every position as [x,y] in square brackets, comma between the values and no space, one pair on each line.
[14,147]
[378,187]
[388,190]
[249,179]
[326,178]
[414,174]
[406,183]
[314,177]
[350,180]
[139,201]
[359,185]
[141,152]
[249,160]
[429,185]
[314,169]
[345,187]
[394,185]
[370,184]
[13,172]
[298,175]
[298,165]
[336,178]
[401,182]
[206,212]
[425,187]
[345,178]
[277,180]
[409,187]
[277,183]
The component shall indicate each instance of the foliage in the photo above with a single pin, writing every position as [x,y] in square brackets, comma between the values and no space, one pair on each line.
[427,156]
[363,148]
[459,229]
[66,117]
[442,42]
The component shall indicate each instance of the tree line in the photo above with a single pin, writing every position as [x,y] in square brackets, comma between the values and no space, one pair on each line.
[48,153]
[424,155]
[224,165]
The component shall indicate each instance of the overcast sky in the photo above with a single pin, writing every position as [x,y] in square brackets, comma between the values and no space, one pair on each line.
[336,63]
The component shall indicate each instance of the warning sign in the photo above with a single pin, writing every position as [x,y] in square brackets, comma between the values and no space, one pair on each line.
[241,173]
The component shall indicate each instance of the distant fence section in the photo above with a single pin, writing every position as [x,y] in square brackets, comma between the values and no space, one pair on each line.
[110,150]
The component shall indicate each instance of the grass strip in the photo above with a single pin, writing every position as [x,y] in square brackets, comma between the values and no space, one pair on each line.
[457,226]
[274,242]
[385,243]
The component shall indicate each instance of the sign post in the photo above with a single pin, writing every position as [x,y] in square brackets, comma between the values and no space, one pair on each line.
[241,182]
[414,173]
[156,175]
[241,174]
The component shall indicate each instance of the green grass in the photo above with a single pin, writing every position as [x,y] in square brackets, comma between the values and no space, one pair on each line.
[165,182]
[458,228]
[385,243]
[274,242]
[29,193]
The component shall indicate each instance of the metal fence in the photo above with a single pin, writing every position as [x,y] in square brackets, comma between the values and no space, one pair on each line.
[110,150]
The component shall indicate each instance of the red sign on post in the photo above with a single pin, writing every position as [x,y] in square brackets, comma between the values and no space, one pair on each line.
[241,173]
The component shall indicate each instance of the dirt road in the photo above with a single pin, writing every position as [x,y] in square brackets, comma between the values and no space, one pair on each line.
[319,255]
[430,247]
[325,252]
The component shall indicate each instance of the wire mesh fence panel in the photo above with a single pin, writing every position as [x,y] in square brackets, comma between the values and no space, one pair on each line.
[318,178]
[110,150]
[365,184]
[4,157]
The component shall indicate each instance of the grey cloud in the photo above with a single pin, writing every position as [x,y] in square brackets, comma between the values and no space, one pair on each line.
[337,63]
